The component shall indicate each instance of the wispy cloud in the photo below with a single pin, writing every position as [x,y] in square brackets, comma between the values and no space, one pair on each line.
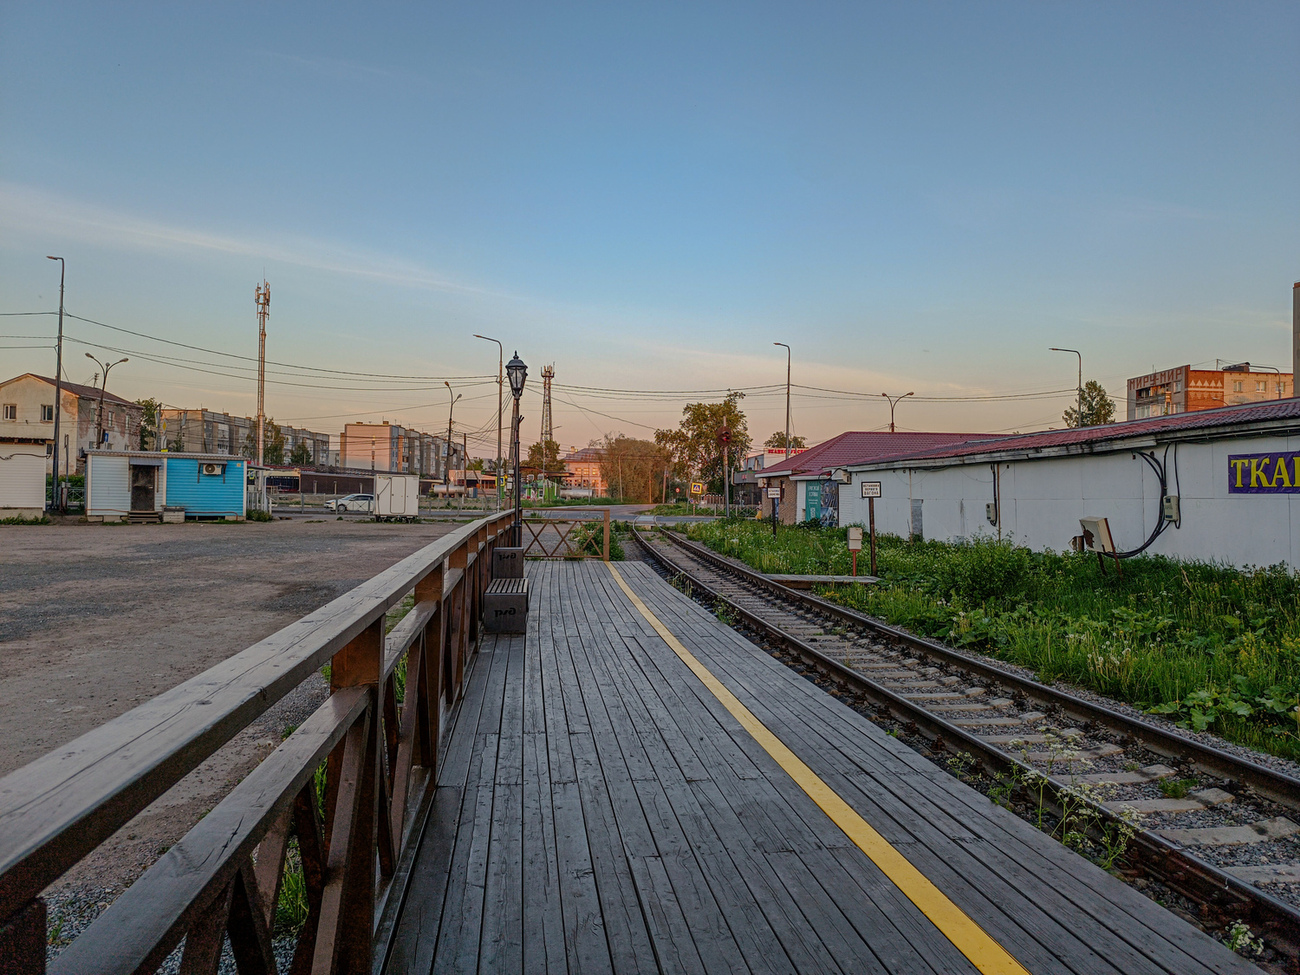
[31,210]
[340,68]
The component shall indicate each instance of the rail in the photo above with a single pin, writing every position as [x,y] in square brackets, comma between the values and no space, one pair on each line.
[558,534]
[222,880]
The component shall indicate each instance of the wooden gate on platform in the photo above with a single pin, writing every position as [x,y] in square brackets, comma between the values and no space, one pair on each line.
[223,878]
[570,536]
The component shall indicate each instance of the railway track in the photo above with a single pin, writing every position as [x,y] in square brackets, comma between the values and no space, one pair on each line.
[1212,827]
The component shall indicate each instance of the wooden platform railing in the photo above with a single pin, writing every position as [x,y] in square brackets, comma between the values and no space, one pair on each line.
[567,536]
[223,878]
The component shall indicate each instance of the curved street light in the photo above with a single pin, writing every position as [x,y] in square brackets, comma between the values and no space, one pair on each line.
[446,468]
[1079,418]
[893,402]
[787,397]
[99,418]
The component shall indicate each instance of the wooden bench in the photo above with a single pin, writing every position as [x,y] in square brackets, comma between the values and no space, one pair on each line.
[505,606]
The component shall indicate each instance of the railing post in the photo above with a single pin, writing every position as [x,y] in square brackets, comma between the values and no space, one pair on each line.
[459,560]
[22,940]
[429,589]
[359,664]
[605,550]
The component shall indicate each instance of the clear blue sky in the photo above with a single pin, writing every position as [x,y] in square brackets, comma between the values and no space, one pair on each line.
[914,196]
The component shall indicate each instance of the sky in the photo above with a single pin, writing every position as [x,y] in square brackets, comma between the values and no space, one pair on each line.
[918,197]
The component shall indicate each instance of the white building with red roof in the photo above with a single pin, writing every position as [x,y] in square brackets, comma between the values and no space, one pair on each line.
[1213,485]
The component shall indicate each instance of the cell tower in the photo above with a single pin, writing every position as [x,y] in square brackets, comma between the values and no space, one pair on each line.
[548,432]
[263,309]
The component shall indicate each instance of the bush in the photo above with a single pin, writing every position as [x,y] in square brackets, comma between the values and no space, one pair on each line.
[985,569]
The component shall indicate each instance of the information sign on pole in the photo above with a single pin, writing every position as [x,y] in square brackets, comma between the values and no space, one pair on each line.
[871,489]
[774,493]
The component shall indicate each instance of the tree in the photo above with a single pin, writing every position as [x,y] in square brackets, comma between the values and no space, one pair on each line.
[149,423]
[272,448]
[1098,408]
[547,460]
[633,469]
[477,464]
[777,441]
[694,447]
[301,454]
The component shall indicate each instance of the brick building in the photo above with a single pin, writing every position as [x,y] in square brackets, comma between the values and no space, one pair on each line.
[1183,389]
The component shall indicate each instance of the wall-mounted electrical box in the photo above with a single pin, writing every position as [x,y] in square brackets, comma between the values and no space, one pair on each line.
[1169,507]
[991,512]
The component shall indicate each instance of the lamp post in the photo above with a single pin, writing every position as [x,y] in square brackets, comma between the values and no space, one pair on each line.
[501,385]
[446,468]
[893,402]
[1078,419]
[787,396]
[517,372]
[58,383]
[99,417]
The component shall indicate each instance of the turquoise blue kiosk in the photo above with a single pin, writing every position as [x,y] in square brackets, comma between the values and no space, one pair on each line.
[139,485]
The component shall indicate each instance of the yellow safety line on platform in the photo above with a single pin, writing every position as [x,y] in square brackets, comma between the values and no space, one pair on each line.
[967,936]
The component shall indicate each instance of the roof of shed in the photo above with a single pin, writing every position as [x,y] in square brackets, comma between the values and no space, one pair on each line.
[861,447]
[1222,419]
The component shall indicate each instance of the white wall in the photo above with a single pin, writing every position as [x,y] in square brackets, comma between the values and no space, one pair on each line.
[108,486]
[1043,500]
[22,479]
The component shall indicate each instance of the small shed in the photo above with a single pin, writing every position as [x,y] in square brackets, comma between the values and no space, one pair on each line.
[139,484]
[22,476]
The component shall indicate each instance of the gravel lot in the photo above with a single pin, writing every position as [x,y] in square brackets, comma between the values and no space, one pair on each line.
[96,619]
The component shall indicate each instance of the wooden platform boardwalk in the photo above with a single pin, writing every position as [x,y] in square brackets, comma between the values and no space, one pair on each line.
[607,803]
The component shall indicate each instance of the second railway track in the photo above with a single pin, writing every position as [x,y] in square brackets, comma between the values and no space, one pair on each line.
[1217,843]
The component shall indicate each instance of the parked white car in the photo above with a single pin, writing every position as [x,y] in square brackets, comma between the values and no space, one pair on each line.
[352,502]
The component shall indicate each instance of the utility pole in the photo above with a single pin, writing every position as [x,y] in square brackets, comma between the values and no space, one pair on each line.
[1078,420]
[893,402]
[446,470]
[548,432]
[56,502]
[263,309]
[501,385]
[787,396]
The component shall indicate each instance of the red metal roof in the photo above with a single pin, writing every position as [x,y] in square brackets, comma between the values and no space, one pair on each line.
[91,392]
[862,447]
[1208,420]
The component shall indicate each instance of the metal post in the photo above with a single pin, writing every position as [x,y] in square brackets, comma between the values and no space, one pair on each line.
[1079,417]
[501,381]
[99,417]
[519,497]
[726,480]
[58,385]
[787,398]
[871,524]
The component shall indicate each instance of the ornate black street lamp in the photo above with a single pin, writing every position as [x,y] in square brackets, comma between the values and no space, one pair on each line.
[517,373]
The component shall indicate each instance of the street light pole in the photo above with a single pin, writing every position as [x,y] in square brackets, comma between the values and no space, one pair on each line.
[446,468]
[58,383]
[518,373]
[99,417]
[501,385]
[787,396]
[1078,420]
[893,402]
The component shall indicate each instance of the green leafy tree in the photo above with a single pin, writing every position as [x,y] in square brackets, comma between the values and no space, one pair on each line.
[1098,407]
[548,459]
[272,449]
[694,447]
[633,469]
[477,464]
[777,441]
[149,423]
[301,453]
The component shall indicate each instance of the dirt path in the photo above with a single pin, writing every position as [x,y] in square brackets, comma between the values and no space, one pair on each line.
[95,620]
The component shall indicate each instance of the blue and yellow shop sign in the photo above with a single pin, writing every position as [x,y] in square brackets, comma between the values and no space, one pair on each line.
[1277,473]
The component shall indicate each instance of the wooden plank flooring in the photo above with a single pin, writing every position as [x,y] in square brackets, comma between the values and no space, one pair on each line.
[600,810]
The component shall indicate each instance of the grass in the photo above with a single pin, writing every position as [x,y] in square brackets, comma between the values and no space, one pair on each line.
[20,520]
[1211,646]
